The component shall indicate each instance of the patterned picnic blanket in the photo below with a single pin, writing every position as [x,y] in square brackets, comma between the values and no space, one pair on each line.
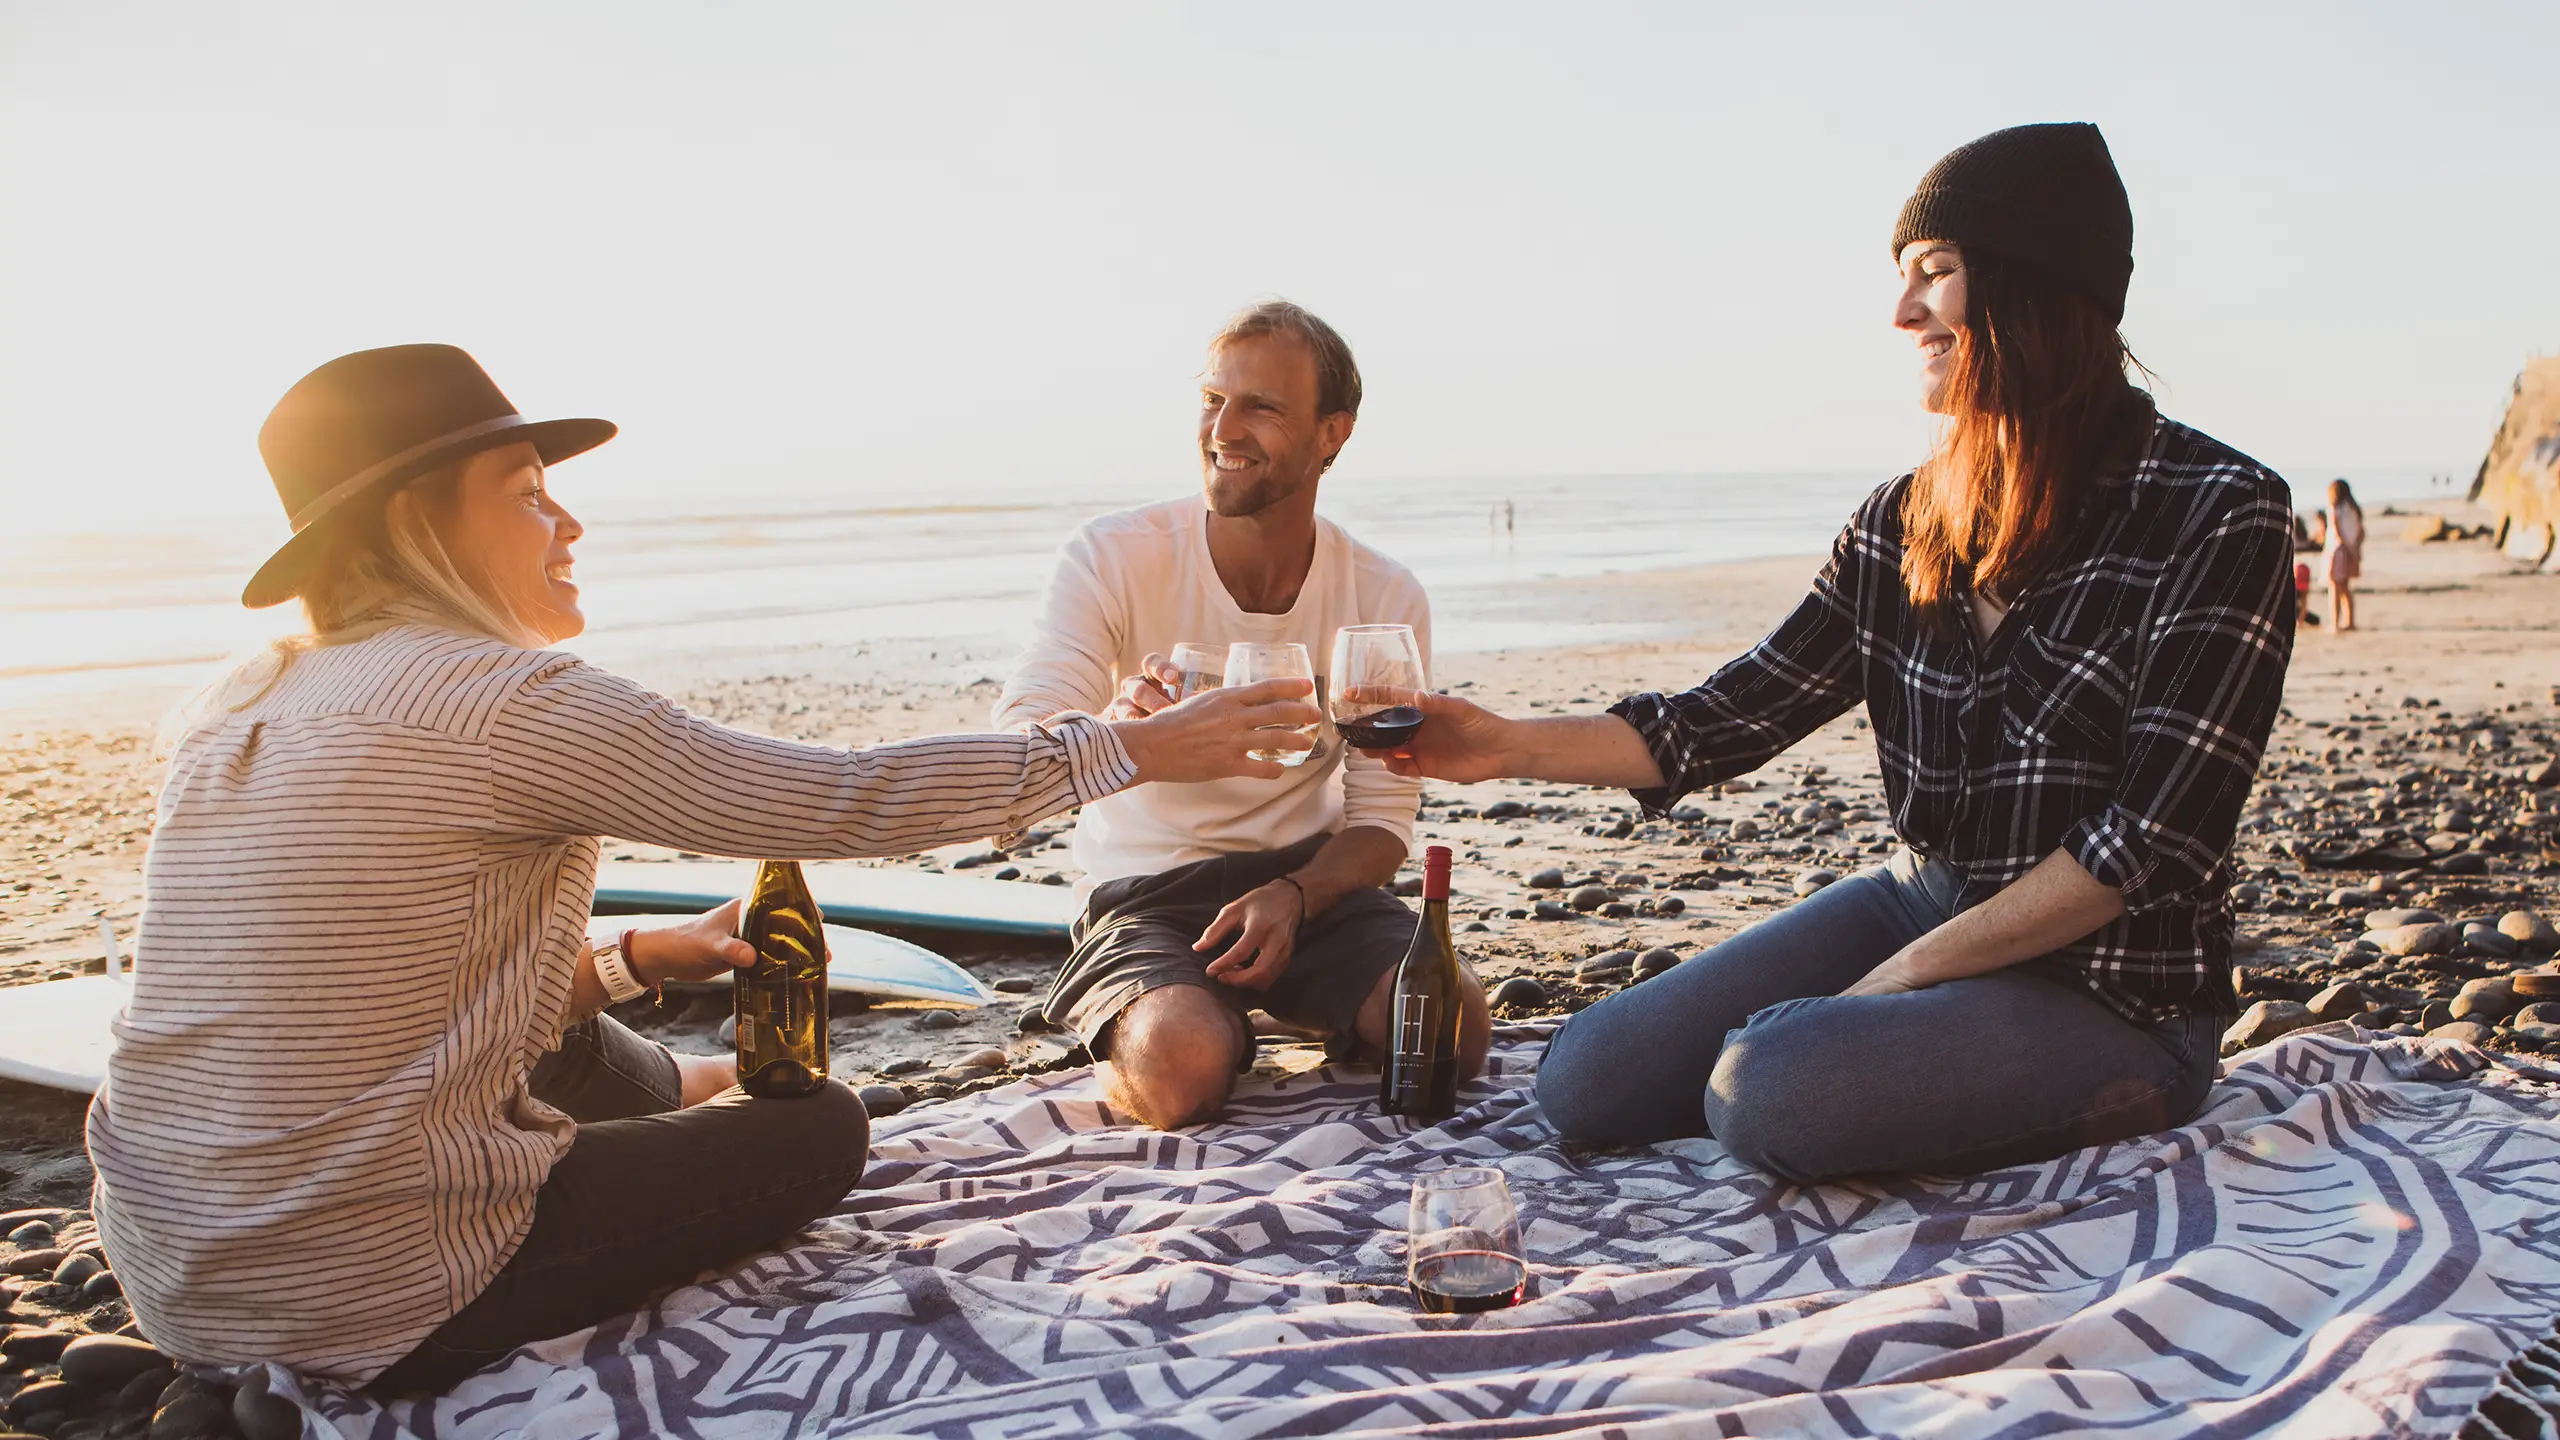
[2354,1238]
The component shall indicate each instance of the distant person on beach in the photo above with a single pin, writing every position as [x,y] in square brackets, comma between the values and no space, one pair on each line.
[2069,628]
[1209,901]
[2342,553]
[365,1116]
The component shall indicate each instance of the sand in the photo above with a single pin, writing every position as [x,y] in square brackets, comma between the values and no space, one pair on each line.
[2451,630]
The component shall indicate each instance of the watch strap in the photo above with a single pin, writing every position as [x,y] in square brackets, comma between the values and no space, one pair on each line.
[613,967]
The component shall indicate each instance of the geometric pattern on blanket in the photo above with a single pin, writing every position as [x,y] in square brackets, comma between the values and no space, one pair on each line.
[2354,1237]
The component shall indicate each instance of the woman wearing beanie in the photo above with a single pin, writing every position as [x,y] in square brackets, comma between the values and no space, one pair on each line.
[364,1115]
[2069,628]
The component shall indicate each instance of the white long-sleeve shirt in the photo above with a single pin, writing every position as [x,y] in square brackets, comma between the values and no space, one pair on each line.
[1141,581]
[365,899]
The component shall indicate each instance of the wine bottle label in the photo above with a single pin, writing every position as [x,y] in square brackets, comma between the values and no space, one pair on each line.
[1411,1032]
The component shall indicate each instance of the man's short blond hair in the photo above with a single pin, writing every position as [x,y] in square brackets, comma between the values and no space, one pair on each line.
[1337,374]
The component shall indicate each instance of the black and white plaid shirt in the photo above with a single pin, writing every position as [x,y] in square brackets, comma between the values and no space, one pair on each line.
[2118,712]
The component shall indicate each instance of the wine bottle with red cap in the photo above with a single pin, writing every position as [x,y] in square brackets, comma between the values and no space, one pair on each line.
[1421,1077]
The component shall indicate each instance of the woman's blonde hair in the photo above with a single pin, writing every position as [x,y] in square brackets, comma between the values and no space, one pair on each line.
[391,566]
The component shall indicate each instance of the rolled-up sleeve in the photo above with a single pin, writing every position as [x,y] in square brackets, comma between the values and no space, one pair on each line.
[1781,690]
[2220,633]
[581,751]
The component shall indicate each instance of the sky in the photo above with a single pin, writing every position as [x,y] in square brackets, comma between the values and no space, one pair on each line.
[812,248]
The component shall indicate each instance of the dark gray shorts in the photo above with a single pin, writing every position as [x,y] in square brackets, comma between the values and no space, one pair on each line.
[1136,935]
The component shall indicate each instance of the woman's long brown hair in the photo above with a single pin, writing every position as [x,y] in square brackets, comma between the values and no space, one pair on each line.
[2039,405]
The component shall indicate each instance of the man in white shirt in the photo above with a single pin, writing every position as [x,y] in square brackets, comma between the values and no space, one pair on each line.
[1211,900]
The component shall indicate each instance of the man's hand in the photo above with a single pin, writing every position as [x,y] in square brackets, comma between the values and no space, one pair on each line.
[1152,689]
[1895,976]
[1212,735]
[1265,923]
[1460,741]
[705,947]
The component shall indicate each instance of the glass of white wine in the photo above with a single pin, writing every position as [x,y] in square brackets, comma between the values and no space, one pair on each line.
[1203,667]
[1249,663]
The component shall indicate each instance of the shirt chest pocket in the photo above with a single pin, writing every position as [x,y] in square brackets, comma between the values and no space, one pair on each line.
[2069,697]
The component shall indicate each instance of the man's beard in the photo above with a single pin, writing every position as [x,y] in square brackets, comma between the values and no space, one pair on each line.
[1270,485]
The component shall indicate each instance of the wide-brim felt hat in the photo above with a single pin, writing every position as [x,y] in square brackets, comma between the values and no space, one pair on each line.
[373,421]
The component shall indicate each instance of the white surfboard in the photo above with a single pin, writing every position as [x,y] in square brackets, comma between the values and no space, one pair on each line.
[55,1033]
[858,962]
[847,894]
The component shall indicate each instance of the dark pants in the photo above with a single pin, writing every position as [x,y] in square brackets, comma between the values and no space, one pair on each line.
[648,1197]
[1753,1043]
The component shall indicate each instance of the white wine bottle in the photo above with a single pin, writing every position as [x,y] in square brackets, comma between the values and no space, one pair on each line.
[782,998]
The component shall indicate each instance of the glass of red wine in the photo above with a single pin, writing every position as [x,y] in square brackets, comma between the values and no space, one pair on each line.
[1376,685]
[1462,1243]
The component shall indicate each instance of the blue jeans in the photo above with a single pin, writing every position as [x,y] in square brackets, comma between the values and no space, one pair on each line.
[1753,1043]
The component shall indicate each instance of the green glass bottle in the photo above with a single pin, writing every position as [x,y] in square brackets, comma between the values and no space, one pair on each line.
[1420,1080]
[782,998]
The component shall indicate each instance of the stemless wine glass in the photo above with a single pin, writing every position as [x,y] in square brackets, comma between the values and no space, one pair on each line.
[1462,1243]
[1377,685]
[1203,667]
[1248,663]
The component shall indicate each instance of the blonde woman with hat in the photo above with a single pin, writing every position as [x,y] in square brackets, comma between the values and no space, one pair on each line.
[365,1115]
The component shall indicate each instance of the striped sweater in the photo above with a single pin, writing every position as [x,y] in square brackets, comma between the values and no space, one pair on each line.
[364,903]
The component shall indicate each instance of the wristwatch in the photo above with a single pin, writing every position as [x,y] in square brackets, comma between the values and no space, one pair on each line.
[613,967]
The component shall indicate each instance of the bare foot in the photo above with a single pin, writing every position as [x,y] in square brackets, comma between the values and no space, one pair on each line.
[699,1077]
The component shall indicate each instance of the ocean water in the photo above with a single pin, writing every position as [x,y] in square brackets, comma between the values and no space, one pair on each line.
[148,609]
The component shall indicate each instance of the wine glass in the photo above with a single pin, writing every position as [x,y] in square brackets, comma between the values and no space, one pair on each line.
[1377,685]
[1462,1243]
[1249,663]
[1203,667]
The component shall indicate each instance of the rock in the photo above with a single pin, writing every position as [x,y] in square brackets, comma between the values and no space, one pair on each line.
[2355,952]
[1591,897]
[1505,810]
[1010,872]
[1812,880]
[2339,1001]
[2537,985]
[976,858]
[2435,1013]
[2543,1012]
[2481,939]
[1618,910]
[2248,894]
[1688,814]
[100,1288]
[1550,910]
[2535,1030]
[75,1269]
[1551,878]
[34,1262]
[2423,529]
[2528,929]
[727,1036]
[2487,1001]
[882,1101]
[2544,773]
[108,1362]
[2469,1032]
[1016,985]
[1669,905]
[1609,962]
[935,1020]
[1745,828]
[142,1392]
[45,1397]
[2468,862]
[2266,1020]
[2422,938]
[1808,814]
[191,1410]
[2352,898]
[1520,992]
[1031,1019]
[2394,919]
[1656,960]
[2453,820]
[908,1066]
[33,1234]
[1408,885]
[989,1058]
[1054,878]
[262,1414]
[29,1345]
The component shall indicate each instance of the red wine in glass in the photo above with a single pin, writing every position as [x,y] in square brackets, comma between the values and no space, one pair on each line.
[1386,729]
[1468,1282]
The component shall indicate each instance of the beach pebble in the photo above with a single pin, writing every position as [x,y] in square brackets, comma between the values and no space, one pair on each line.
[2546,772]
[2490,1003]
[262,1414]
[2339,1001]
[1550,910]
[935,1020]
[2355,952]
[2543,1012]
[2469,862]
[1808,814]
[32,1345]
[2469,1032]
[1010,872]
[2484,939]
[32,1405]
[1505,810]
[1618,910]
[2535,1030]
[907,1066]
[2266,1020]
[107,1362]
[989,1058]
[1669,905]
[1688,814]
[976,858]
[1610,962]
[1475,927]
[100,1288]
[1812,880]
[1551,878]
[34,1262]
[1745,828]
[1591,897]
[882,1101]
[2537,985]
[2420,938]
[191,1410]
[2528,929]
[2453,820]
[1033,1019]
[2394,919]
[76,1269]
[139,1394]
[1520,992]
[1408,885]
[34,1233]
[2435,1013]
[2352,897]
[1656,960]
[1016,985]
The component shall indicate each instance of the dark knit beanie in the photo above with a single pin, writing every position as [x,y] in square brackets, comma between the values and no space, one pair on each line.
[2044,198]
